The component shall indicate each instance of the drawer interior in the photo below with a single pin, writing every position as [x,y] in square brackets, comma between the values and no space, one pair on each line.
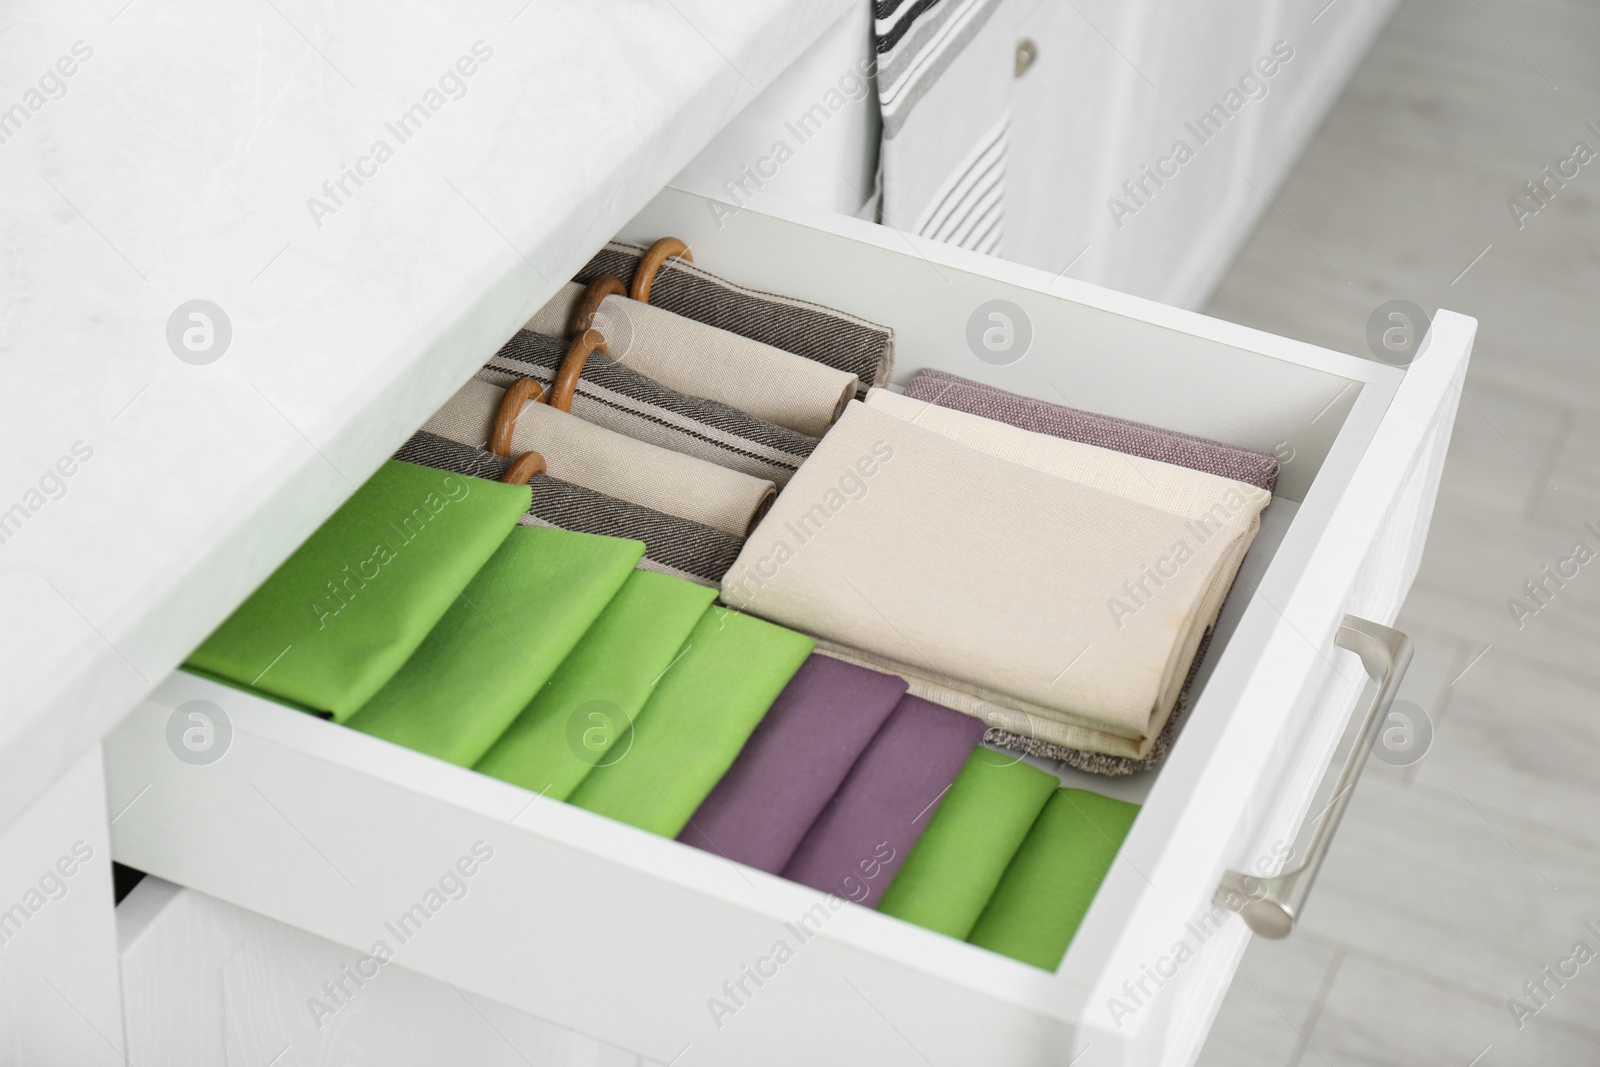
[1088,348]
[1091,349]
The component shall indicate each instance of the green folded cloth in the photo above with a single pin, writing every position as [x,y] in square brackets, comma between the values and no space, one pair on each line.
[982,821]
[330,626]
[502,639]
[1053,878]
[702,711]
[572,723]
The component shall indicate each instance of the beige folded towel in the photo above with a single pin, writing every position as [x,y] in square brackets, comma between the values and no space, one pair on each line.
[1027,591]
[1039,724]
[701,360]
[1213,505]
[596,458]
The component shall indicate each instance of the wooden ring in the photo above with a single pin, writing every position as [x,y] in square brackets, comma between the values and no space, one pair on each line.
[644,276]
[505,420]
[523,468]
[588,304]
[566,383]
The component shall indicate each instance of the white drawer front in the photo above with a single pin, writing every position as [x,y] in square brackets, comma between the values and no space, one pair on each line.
[636,940]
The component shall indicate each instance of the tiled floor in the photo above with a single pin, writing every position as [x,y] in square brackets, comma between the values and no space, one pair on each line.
[1456,881]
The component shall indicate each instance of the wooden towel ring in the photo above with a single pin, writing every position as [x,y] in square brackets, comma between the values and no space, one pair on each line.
[523,468]
[645,276]
[505,420]
[566,383]
[588,304]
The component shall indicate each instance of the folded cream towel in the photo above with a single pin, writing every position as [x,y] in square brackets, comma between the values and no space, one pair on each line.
[1212,506]
[1041,596]
[704,361]
[596,458]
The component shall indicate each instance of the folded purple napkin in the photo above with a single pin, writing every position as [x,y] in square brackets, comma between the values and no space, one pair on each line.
[1130,438]
[863,836]
[794,762]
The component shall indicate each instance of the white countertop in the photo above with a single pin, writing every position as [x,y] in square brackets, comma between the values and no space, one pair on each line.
[178,161]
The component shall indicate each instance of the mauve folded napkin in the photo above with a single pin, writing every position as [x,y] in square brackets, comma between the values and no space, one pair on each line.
[701,360]
[341,615]
[672,545]
[599,689]
[831,337]
[697,719]
[981,823]
[618,397]
[1120,435]
[1052,880]
[607,462]
[883,806]
[502,639]
[794,763]
[1012,587]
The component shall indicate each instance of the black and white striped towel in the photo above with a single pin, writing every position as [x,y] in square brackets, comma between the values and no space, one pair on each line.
[944,89]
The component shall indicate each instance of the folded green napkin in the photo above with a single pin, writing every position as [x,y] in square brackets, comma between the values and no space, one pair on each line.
[599,689]
[330,626]
[502,639]
[1053,878]
[982,821]
[702,711]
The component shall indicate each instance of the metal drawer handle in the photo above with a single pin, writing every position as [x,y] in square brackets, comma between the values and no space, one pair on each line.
[1271,906]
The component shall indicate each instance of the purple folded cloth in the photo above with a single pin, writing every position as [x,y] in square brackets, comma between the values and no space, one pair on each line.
[794,763]
[862,837]
[1131,438]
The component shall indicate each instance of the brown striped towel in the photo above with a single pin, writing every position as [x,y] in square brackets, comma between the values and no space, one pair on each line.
[673,546]
[831,337]
[607,462]
[612,395]
[703,361]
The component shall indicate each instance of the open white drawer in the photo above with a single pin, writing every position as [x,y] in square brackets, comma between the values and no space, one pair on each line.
[628,937]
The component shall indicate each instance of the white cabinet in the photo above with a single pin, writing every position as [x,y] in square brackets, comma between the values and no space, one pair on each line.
[60,1001]
[626,937]
[1116,87]
[207,983]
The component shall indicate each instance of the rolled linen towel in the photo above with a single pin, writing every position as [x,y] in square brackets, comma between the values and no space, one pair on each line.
[596,458]
[674,546]
[619,398]
[701,360]
[829,336]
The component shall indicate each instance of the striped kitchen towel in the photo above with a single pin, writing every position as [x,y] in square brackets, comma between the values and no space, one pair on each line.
[674,546]
[832,337]
[944,90]
[620,399]
[615,396]
[607,462]
[703,361]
